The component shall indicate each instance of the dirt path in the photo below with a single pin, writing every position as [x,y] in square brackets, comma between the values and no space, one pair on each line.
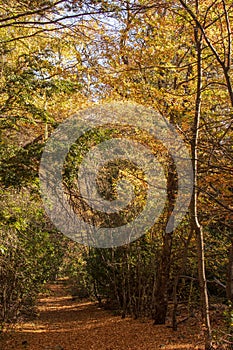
[64,324]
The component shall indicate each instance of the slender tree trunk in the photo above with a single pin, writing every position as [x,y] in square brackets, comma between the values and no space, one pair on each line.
[229,287]
[225,63]
[176,282]
[194,211]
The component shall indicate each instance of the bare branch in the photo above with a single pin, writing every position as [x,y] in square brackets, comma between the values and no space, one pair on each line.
[200,26]
[228,34]
[30,13]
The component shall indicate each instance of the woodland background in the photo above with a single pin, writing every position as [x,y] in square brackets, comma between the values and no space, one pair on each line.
[58,57]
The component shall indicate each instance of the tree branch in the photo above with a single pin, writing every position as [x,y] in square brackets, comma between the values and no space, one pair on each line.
[200,26]
[30,13]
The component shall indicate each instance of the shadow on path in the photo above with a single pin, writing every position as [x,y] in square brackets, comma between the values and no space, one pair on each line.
[64,324]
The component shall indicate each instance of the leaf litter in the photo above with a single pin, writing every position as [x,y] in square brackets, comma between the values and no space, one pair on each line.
[67,324]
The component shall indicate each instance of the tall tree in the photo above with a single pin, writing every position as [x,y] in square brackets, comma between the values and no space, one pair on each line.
[194,203]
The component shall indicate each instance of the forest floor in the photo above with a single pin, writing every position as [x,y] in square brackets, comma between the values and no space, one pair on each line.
[66,324]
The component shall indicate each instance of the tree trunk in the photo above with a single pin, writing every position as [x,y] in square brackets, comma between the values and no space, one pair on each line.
[194,212]
[176,282]
[162,278]
[163,271]
[229,287]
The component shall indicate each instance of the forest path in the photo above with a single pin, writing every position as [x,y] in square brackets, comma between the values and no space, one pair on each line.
[65,324]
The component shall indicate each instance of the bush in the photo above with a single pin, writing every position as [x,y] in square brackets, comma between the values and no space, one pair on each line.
[29,255]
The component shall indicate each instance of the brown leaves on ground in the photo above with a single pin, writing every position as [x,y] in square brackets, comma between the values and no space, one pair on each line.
[64,324]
